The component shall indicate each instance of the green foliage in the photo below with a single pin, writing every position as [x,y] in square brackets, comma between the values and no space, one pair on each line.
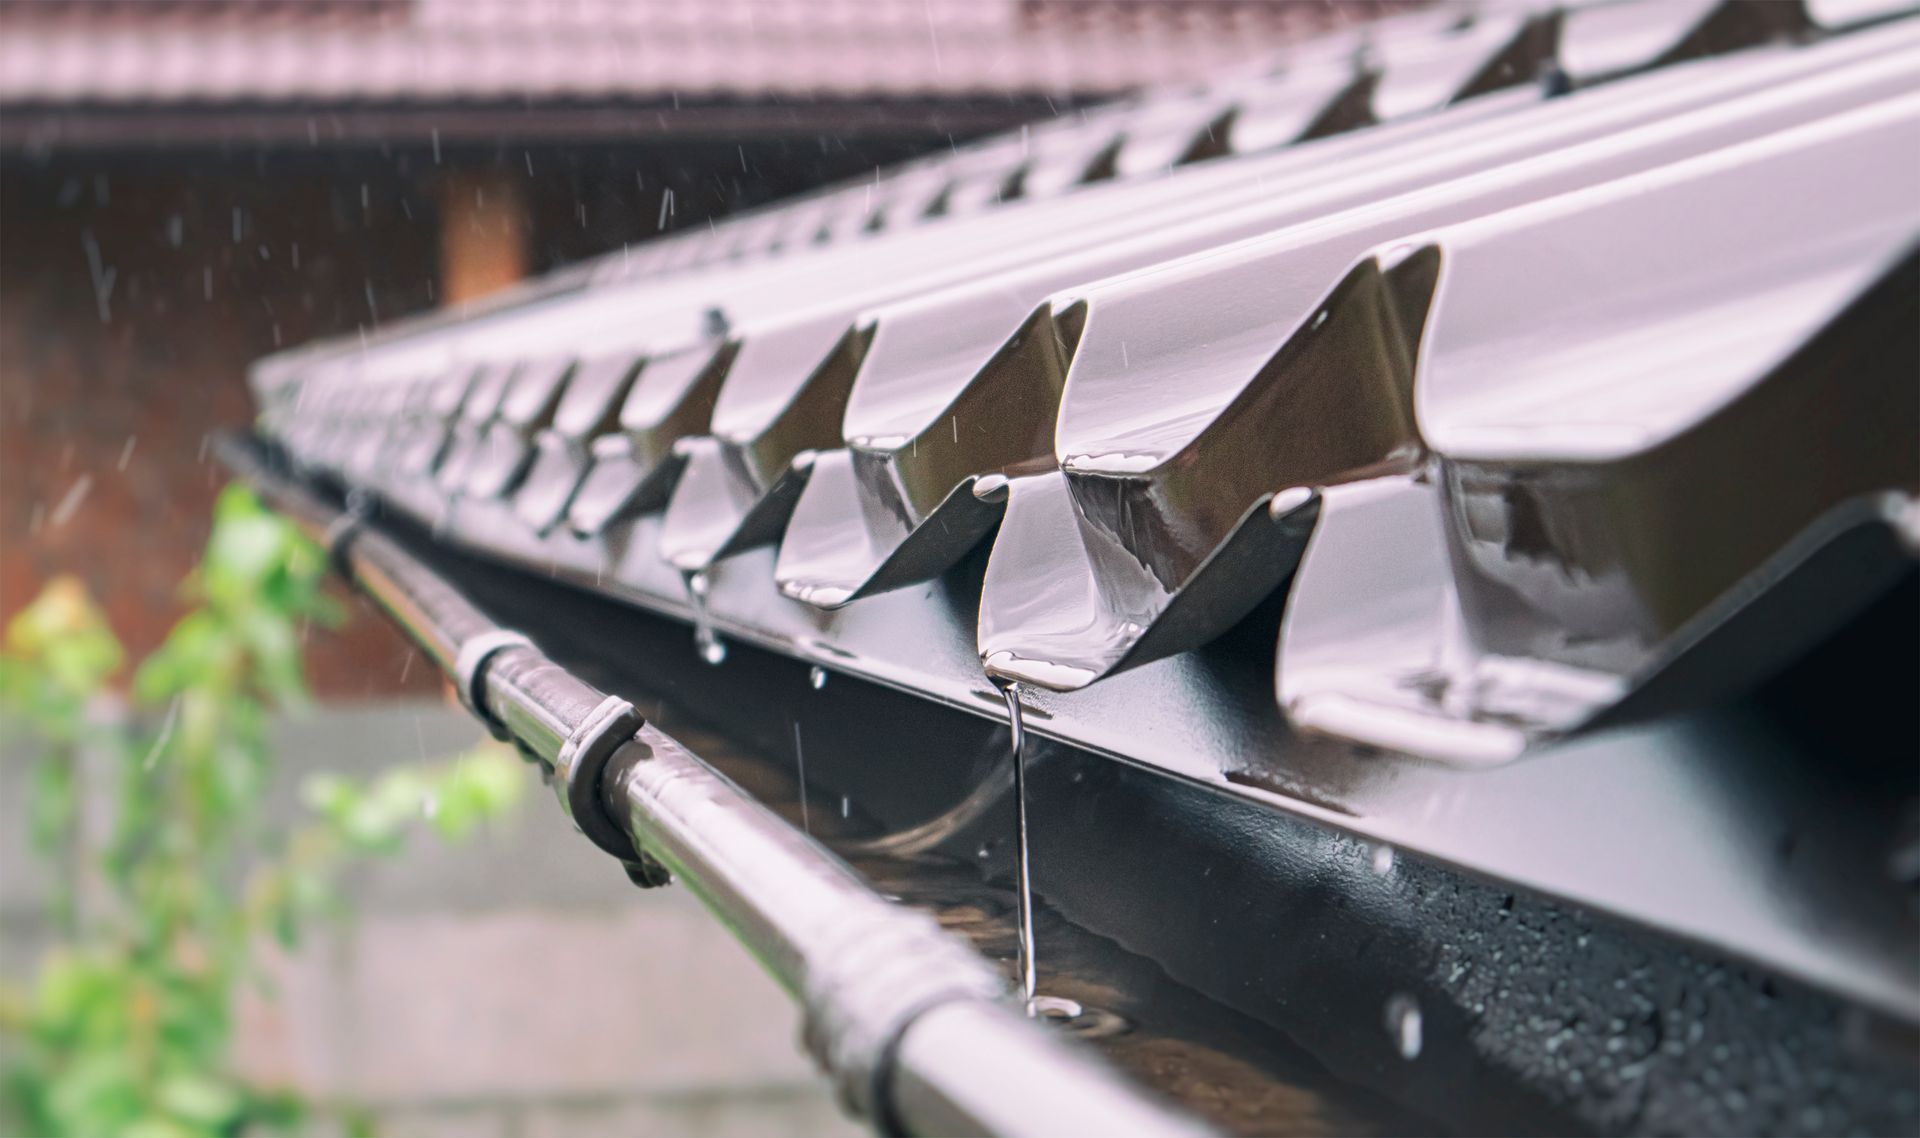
[127,1027]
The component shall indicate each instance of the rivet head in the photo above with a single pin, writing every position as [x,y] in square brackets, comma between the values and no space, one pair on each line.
[991,488]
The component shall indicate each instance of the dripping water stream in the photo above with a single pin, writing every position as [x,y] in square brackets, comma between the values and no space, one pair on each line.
[1023,875]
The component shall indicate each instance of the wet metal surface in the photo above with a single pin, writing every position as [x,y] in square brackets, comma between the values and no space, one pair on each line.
[1266,970]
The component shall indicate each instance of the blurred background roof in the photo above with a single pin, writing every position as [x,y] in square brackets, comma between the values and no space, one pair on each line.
[81,64]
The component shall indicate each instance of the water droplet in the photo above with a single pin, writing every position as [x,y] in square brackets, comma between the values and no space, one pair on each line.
[1287,501]
[705,640]
[1076,1019]
[1382,859]
[817,676]
[1404,1024]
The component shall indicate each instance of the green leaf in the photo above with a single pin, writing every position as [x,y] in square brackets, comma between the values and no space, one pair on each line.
[65,635]
[127,1030]
[484,784]
[199,1099]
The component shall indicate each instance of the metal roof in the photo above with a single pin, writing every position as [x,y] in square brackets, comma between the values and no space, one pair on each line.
[1523,397]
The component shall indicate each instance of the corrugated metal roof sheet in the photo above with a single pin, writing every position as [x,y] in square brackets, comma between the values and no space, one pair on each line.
[1517,395]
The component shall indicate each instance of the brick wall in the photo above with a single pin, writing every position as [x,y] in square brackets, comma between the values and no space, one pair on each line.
[131,301]
[134,292]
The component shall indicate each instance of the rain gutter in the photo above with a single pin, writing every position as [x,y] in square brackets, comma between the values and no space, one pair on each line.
[913,1027]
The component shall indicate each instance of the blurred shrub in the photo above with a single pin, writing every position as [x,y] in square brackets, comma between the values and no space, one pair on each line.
[127,1027]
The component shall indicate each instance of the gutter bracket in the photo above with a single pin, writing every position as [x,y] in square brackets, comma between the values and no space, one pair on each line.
[469,673]
[581,761]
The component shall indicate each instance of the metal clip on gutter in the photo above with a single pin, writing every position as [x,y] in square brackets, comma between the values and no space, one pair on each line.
[909,1023]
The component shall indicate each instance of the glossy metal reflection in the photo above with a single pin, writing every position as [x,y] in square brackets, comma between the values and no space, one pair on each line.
[588,407]
[1620,461]
[956,383]
[506,447]
[1260,379]
[632,470]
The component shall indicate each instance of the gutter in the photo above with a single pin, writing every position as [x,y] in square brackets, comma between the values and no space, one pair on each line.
[913,1027]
